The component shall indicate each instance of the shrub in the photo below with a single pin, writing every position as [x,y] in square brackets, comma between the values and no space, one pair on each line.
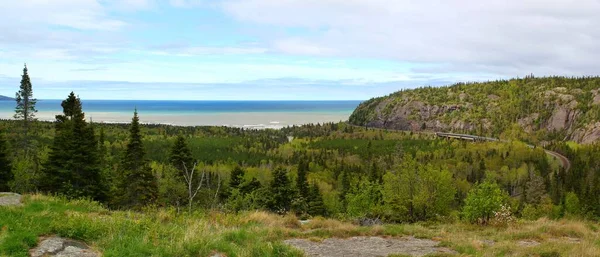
[483,202]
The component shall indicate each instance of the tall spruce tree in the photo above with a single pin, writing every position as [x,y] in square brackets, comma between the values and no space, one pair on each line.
[316,206]
[73,167]
[237,177]
[25,109]
[280,192]
[6,174]
[181,156]
[138,186]
[302,181]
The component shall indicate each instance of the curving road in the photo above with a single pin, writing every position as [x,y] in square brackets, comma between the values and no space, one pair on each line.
[566,164]
[564,160]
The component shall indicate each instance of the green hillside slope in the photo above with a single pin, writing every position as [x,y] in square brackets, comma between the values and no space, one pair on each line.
[534,109]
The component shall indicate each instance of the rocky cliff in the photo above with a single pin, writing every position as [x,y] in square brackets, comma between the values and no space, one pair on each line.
[536,109]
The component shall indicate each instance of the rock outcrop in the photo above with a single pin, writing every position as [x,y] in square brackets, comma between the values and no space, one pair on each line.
[61,247]
[10,199]
[535,105]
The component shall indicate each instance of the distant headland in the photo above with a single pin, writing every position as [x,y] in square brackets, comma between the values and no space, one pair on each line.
[6,98]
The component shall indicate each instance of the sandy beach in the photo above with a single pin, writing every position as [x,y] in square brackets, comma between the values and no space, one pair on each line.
[238,119]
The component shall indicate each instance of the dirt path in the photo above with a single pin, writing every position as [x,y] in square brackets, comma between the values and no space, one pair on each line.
[368,247]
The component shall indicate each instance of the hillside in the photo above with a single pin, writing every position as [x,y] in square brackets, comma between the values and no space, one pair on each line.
[6,98]
[533,109]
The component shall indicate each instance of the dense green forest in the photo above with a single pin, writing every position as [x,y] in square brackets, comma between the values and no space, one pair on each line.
[532,109]
[333,169]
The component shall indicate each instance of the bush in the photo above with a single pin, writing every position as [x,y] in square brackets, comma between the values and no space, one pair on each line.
[503,217]
[483,202]
[572,205]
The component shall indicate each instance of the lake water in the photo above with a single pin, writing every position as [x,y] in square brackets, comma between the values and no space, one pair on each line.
[256,114]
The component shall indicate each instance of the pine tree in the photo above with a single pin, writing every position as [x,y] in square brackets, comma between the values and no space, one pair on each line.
[316,207]
[250,186]
[180,155]
[73,167]
[6,174]
[345,187]
[25,109]
[302,182]
[138,186]
[237,177]
[280,192]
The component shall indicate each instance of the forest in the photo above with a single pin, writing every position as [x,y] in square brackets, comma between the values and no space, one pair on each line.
[333,170]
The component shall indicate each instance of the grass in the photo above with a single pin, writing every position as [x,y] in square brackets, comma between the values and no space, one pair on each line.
[163,232]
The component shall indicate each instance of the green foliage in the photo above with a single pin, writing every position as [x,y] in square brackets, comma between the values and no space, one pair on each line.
[25,109]
[6,173]
[181,156]
[483,201]
[364,201]
[280,192]
[572,204]
[73,167]
[171,190]
[301,180]
[417,192]
[138,186]
[237,177]
[316,206]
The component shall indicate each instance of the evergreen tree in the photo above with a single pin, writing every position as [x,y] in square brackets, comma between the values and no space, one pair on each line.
[25,109]
[237,177]
[138,186]
[181,156]
[302,182]
[375,175]
[280,192]
[345,187]
[316,206]
[6,174]
[250,186]
[73,167]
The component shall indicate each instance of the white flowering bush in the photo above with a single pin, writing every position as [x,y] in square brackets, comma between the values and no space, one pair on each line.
[503,217]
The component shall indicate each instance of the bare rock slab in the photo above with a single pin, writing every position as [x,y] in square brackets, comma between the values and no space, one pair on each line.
[61,247]
[10,199]
[368,247]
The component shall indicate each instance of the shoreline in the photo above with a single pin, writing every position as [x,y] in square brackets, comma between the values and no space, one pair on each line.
[246,120]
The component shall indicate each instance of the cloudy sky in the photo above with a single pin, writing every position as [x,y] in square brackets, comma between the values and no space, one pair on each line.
[287,49]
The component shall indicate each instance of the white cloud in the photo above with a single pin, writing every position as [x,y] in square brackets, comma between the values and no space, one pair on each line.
[301,47]
[131,5]
[507,37]
[205,50]
[186,3]
[78,14]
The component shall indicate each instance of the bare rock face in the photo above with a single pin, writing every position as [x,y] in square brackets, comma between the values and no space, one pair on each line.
[402,116]
[527,122]
[589,134]
[61,247]
[562,118]
[596,99]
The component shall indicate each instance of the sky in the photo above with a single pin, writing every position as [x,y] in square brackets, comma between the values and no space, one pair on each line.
[287,49]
